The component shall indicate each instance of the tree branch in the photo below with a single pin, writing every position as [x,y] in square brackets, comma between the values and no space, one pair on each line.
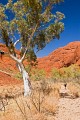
[32,34]
[29,42]
[16,59]
[16,42]
[6,73]
[20,60]
[23,55]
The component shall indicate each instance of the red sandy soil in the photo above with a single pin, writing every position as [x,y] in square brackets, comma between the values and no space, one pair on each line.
[8,80]
[8,65]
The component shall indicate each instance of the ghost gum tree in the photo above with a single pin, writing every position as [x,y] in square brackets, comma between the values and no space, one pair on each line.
[32,25]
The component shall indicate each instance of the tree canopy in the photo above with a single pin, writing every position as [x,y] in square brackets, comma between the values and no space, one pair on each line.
[30,22]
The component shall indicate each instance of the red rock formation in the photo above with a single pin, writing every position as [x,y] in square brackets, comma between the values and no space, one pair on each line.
[7,65]
[62,57]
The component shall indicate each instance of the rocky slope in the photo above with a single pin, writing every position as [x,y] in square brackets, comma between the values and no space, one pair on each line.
[62,57]
[8,68]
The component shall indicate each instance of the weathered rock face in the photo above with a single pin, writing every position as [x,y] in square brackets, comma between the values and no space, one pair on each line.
[7,65]
[6,62]
[62,57]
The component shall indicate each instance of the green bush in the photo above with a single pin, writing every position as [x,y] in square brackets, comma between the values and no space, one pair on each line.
[66,73]
[37,74]
[72,71]
[55,73]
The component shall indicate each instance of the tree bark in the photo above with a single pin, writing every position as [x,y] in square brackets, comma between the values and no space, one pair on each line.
[27,85]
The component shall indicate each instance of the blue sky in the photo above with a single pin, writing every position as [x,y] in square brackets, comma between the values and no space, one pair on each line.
[71,9]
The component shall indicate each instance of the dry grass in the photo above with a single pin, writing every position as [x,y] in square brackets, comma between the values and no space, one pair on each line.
[41,105]
[50,105]
[56,90]
[74,89]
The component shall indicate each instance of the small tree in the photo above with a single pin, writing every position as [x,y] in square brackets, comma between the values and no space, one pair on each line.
[31,24]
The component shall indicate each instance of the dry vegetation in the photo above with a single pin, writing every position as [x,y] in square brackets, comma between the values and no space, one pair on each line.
[42,104]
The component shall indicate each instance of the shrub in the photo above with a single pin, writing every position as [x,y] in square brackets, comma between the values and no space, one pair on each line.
[72,71]
[37,74]
[56,74]
[66,73]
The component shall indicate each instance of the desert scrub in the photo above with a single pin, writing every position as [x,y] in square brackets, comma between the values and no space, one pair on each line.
[50,105]
[74,89]
[65,74]
[72,71]
[37,74]
[56,74]
[42,93]
[46,86]
[18,76]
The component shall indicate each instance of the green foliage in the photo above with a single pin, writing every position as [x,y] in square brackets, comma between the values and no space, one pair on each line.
[32,21]
[28,68]
[31,56]
[66,73]
[72,71]
[38,74]
[56,73]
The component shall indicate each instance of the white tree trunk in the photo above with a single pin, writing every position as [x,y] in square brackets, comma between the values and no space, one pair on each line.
[27,85]
[27,89]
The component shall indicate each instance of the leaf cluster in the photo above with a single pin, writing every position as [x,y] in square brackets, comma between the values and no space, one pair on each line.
[32,22]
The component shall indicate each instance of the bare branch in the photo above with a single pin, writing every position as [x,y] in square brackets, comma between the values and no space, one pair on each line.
[16,42]
[6,73]
[38,50]
[15,58]
[24,55]
[20,60]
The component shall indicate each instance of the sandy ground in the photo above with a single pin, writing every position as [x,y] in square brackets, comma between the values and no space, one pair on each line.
[68,109]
